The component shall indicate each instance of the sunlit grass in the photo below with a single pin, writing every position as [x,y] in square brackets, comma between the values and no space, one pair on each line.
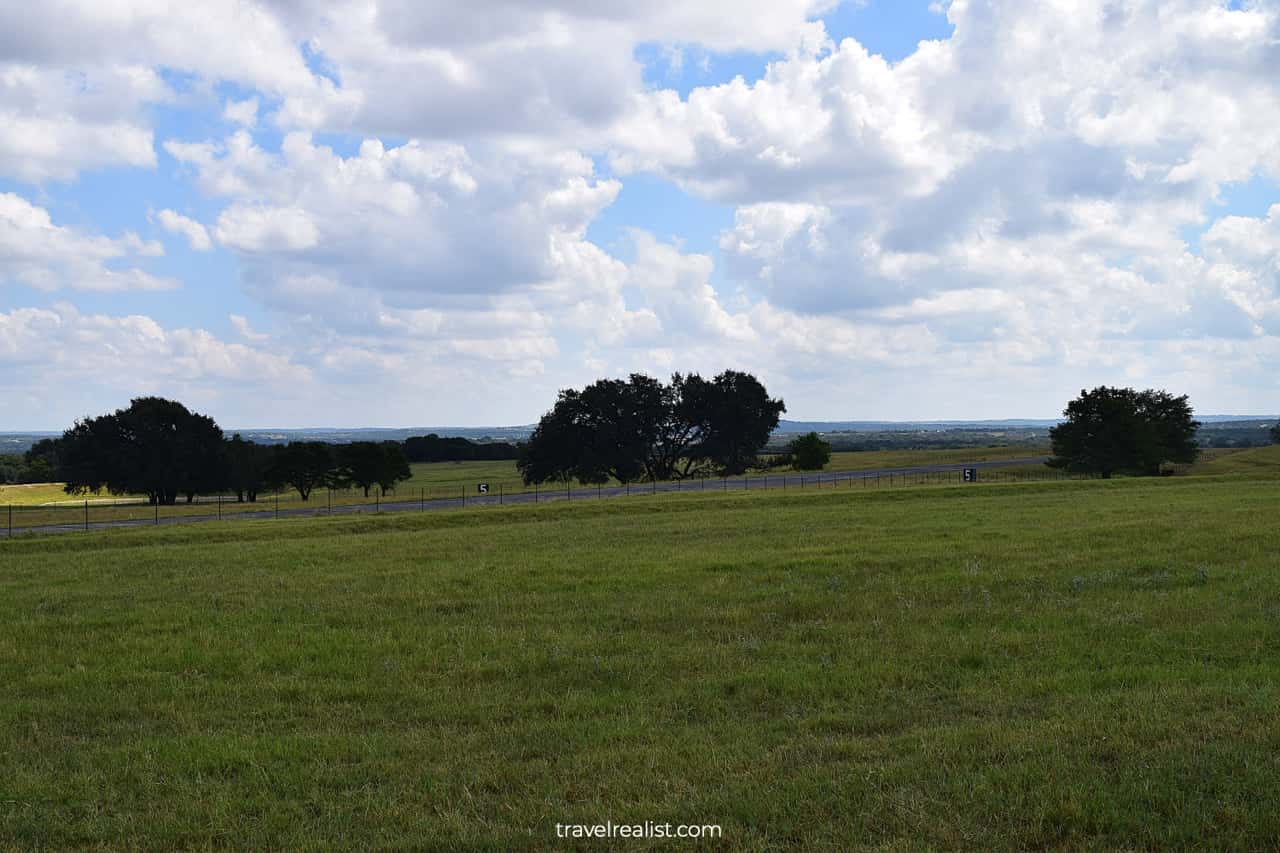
[1032,665]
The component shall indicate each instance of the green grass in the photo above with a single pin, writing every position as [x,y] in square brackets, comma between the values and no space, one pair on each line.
[34,494]
[1256,461]
[869,459]
[1001,666]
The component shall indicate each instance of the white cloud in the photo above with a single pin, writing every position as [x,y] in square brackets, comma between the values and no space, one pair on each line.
[241,324]
[196,234]
[421,224]
[39,253]
[103,360]
[1010,204]
[244,112]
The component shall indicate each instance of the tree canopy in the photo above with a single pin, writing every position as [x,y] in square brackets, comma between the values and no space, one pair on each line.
[155,447]
[248,467]
[643,428]
[809,452]
[303,466]
[434,448]
[1123,431]
[373,463]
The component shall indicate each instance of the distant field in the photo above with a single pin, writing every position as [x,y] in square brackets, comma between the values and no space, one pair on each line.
[33,494]
[430,481]
[868,459]
[1039,665]
[1263,461]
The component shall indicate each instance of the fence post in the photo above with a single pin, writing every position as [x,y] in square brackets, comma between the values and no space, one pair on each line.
[377,500]
[653,482]
[86,514]
[422,498]
[500,487]
[277,504]
[10,519]
[219,507]
[464,497]
[599,491]
[157,509]
[802,481]
[568,490]
[535,492]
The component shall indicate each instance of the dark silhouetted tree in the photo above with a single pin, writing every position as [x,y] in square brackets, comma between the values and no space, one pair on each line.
[155,447]
[1122,431]
[734,415]
[302,465]
[248,465]
[373,463]
[642,428]
[433,448]
[809,452]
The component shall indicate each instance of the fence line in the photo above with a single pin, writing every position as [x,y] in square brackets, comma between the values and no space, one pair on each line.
[89,514]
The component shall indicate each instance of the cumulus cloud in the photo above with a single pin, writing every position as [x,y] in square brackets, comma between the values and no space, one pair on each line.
[196,234]
[1012,203]
[421,224]
[37,252]
[114,357]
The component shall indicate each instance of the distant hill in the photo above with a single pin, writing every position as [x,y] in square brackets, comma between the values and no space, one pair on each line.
[1017,429]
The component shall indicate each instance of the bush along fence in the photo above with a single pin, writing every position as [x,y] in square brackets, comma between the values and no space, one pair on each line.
[96,513]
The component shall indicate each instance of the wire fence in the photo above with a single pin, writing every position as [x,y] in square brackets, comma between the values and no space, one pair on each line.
[93,513]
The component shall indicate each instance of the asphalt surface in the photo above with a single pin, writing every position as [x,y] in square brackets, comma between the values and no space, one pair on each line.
[883,477]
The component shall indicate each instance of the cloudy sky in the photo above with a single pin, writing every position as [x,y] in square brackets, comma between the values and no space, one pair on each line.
[411,212]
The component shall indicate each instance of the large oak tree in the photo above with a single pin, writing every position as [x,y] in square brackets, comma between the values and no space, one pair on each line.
[643,428]
[1123,431]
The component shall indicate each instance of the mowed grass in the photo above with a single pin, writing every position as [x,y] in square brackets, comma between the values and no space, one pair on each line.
[1002,666]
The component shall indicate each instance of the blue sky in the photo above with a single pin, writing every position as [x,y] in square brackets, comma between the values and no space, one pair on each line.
[440,214]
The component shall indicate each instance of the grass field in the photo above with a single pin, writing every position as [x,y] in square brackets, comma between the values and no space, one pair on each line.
[1256,461]
[1001,666]
[46,503]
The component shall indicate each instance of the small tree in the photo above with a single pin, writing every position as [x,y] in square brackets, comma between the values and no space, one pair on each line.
[1122,431]
[302,465]
[809,452]
[373,463]
[1275,434]
[247,467]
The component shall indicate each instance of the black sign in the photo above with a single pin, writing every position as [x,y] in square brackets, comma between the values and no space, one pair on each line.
[971,475]
[483,488]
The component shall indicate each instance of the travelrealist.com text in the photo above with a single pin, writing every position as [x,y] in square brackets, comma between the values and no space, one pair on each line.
[647,829]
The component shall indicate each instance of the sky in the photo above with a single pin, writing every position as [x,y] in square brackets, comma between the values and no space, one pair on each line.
[297,213]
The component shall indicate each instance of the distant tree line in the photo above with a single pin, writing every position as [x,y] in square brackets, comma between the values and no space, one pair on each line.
[161,449]
[641,428]
[433,448]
